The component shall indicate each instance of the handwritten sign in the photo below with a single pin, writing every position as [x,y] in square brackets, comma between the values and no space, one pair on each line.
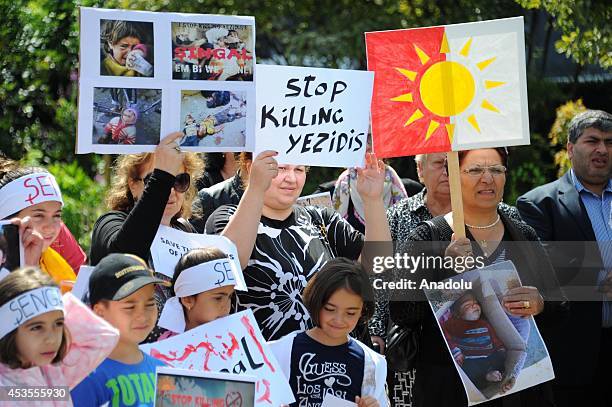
[233,344]
[28,305]
[170,244]
[313,116]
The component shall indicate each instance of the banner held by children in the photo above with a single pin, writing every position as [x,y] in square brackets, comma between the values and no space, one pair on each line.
[495,353]
[313,116]
[170,244]
[454,87]
[232,344]
[155,73]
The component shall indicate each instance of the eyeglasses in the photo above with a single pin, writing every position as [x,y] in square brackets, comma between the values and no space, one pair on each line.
[181,181]
[478,171]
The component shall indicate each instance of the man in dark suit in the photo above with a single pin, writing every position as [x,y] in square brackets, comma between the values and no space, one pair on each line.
[567,214]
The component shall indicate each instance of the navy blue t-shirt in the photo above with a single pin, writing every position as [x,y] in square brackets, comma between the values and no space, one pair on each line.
[317,370]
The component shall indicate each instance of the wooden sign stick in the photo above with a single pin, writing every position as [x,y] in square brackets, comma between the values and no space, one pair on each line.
[454,179]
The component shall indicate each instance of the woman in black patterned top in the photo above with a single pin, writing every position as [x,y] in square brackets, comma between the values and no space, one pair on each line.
[282,245]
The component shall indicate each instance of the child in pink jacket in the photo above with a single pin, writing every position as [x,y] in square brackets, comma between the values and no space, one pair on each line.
[46,340]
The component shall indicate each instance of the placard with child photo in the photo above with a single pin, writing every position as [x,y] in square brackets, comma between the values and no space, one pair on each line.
[496,353]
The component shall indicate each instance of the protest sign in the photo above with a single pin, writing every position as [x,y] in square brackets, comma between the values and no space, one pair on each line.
[170,244]
[332,401]
[313,116]
[233,344]
[321,199]
[151,73]
[11,249]
[190,388]
[448,88]
[81,286]
[495,353]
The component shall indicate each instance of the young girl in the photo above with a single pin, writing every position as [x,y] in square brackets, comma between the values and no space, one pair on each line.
[32,195]
[325,360]
[202,287]
[46,339]
[125,53]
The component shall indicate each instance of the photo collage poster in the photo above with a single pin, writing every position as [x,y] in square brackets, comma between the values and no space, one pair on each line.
[144,75]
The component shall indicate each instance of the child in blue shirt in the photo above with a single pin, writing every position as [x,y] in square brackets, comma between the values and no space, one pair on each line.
[121,291]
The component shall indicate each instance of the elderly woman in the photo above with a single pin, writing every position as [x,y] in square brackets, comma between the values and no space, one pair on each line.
[281,245]
[489,229]
[148,190]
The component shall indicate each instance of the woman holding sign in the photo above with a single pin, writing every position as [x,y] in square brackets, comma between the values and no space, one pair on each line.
[490,230]
[31,196]
[282,245]
[148,190]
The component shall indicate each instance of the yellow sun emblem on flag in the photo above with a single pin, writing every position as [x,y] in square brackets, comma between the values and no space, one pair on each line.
[447,88]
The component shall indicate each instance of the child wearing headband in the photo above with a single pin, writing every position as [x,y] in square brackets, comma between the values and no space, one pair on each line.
[46,339]
[32,195]
[202,287]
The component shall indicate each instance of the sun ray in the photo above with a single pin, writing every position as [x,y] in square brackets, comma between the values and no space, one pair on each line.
[450,129]
[483,64]
[408,74]
[465,51]
[433,125]
[415,116]
[489,106]
[406,97]
[422,55]
[472,120]
[493,84]
[444,48]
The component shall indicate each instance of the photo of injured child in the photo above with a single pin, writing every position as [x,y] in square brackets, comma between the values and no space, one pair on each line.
[495,353]
[126,116]
[219,52]
[213,118]
[474,343]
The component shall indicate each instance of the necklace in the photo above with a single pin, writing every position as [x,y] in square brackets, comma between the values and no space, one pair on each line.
[486,226]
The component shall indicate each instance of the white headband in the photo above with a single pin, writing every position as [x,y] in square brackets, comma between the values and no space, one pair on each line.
[195,280]
[28,305]
[28,190]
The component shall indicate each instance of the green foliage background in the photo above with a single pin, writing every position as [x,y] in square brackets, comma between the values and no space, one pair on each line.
[39,71]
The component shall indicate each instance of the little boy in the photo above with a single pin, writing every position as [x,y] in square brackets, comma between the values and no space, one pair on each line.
[475,346]
[121,291]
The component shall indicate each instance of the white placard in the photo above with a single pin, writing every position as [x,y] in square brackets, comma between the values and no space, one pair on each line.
[81,286]
[313,116]
[332,401]
[233,344]
[515,349]
[170,244]
[180,72]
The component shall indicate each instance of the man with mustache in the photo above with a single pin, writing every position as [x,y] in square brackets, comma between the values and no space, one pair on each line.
[577,208]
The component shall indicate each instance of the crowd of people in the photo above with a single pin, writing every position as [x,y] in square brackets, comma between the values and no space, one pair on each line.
[307,275]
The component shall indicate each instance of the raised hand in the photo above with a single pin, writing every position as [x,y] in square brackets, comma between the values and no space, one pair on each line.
[168,154]
[371,178]
[263,169]
[32,241]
